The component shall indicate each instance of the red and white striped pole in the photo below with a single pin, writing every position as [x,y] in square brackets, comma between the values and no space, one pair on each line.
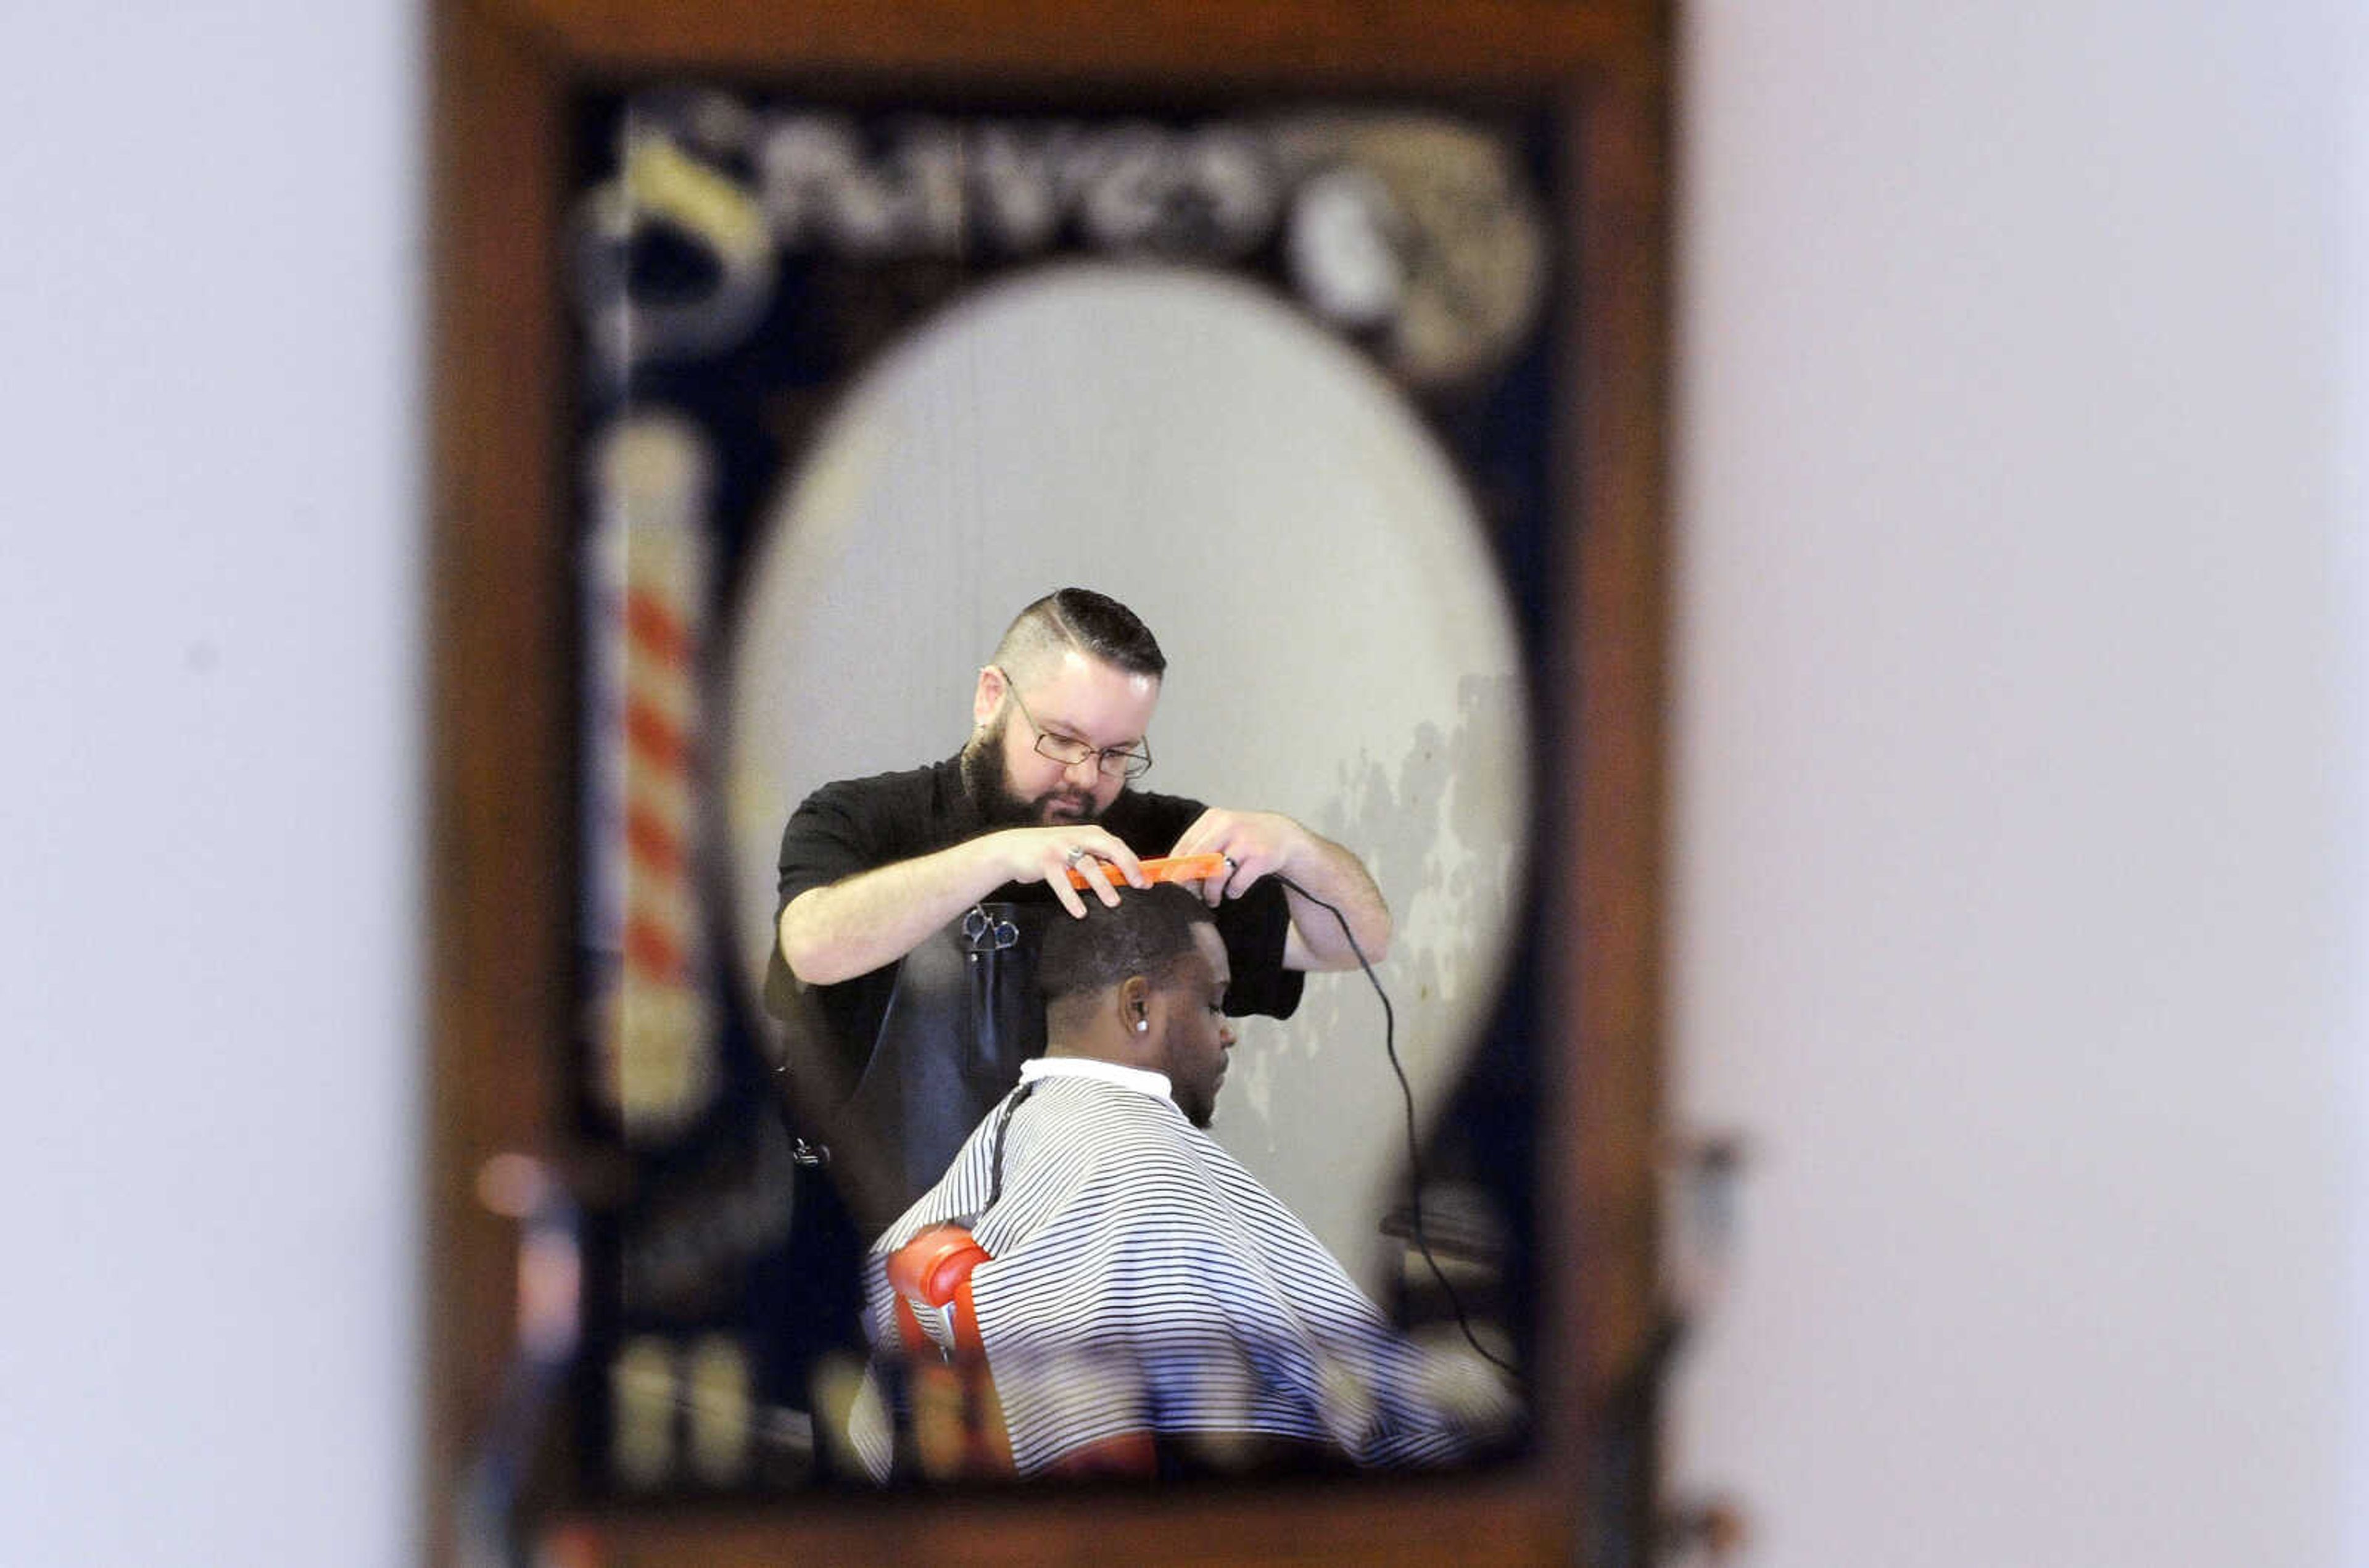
[653,1029]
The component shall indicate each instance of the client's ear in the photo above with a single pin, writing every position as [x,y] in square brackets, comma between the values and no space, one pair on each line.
[1135,1004]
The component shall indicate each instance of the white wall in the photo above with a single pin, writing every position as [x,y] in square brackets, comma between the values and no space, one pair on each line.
[2018,898]
[208,814]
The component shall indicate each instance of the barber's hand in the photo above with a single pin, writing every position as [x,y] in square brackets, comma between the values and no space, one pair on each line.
[1047,855]
[1253,843]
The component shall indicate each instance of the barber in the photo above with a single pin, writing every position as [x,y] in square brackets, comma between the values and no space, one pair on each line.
[908,899]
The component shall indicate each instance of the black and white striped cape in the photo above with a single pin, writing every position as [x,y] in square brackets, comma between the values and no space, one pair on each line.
[1144,1280]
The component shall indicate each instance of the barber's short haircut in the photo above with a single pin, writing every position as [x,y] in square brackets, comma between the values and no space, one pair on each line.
[1095,623]
[1149,933]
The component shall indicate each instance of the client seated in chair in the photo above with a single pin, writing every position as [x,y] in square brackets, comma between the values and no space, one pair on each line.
[1141,1304]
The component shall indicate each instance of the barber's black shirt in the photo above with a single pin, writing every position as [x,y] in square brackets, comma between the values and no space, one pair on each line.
[857,824]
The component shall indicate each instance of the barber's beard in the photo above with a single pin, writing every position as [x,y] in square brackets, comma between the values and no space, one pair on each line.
[990,786]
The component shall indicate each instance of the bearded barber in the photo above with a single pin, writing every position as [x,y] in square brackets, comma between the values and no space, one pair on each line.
[908,899]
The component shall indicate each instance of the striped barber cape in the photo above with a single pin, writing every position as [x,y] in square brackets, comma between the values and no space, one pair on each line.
[1143,1280]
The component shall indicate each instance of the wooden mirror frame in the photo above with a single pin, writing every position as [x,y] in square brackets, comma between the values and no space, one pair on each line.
[503,631]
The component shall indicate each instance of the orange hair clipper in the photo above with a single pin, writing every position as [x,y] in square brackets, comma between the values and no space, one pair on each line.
[1168,868]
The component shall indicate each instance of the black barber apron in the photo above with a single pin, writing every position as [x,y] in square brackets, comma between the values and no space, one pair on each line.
[962,1018]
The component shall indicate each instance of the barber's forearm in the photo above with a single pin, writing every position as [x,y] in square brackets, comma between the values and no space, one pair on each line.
[876,917]
[856,924]
[1331,873]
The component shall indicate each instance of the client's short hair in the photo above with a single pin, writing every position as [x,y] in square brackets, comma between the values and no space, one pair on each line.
[1149,933]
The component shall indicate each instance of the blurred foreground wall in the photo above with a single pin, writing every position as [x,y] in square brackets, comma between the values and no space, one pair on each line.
[2020,880]
[210,805]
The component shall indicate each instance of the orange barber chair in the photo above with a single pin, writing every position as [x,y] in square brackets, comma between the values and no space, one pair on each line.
[957,1423]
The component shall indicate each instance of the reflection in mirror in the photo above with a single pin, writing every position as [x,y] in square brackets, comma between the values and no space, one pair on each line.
[1338,648]
[835,433]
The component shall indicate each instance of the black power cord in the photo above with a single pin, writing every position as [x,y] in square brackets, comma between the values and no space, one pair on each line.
[1414,1149]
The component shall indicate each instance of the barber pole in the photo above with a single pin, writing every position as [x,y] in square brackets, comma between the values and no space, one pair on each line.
[649,586]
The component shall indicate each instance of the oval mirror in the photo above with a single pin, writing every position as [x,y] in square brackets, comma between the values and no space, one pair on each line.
[1340,649]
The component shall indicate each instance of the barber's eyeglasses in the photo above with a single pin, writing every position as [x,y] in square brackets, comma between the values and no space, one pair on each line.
[1115,761]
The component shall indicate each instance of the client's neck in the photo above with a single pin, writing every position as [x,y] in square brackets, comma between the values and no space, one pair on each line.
[1098,1031]
[1124,1054]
